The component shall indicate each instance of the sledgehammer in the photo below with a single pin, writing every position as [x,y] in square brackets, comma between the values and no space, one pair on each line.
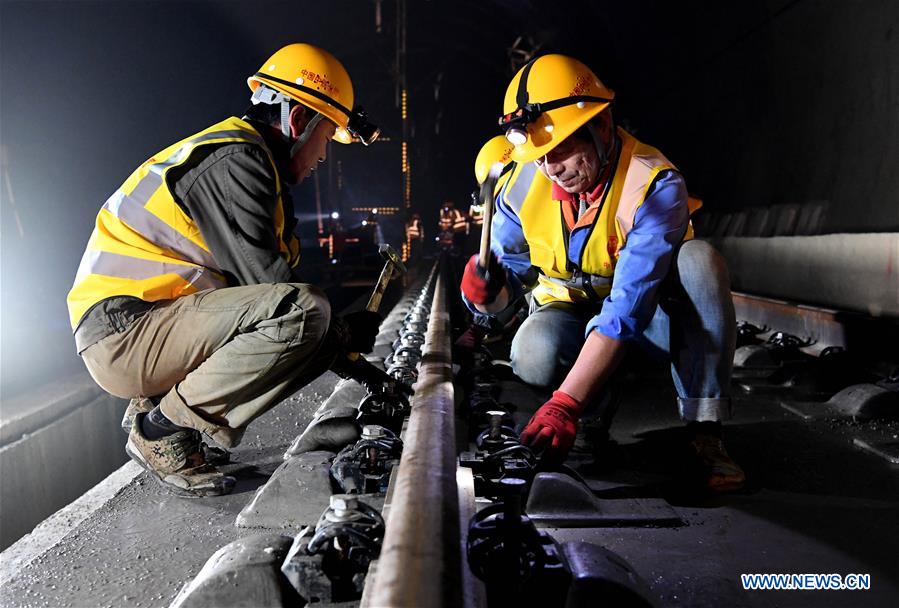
[392,262]
[487,194]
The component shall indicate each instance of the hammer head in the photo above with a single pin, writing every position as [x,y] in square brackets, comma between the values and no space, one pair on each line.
[387,252]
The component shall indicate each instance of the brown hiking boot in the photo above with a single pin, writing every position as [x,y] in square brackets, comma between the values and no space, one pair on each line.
[142,405]
[138,405]
[177,462]
[722,474]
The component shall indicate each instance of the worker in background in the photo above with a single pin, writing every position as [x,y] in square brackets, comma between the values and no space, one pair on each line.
[604,219]
[497,150]
[452,225]
[475,217]
[185,299]
[415,236]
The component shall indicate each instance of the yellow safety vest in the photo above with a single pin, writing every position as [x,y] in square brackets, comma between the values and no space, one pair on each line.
[144,245]
[529,194]
[413,230]
[460,224]
[476,213]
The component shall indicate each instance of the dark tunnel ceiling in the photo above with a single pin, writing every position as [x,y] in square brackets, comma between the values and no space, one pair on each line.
[457,67]
[742,97]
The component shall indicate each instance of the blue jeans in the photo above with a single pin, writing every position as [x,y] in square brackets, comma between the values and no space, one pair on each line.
[693,328]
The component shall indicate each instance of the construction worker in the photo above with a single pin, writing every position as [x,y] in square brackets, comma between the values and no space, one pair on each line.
[496,151]
[415,236]
[451,219]
[452,225]
[185,299]
[604,220]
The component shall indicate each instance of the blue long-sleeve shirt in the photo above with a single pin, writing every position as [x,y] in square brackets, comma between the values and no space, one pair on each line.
[644,261]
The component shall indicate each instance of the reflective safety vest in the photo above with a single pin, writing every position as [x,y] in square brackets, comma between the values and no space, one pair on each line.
[145,246]
[452,219]
[603,228]
[413,230]
[460,224]
[476,213]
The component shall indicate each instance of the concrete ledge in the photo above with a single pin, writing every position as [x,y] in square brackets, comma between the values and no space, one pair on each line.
[855,272]
[54,528]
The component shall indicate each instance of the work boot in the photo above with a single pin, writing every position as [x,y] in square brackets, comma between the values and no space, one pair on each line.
[142,405]
[177,462]
[722,474]
[138,405]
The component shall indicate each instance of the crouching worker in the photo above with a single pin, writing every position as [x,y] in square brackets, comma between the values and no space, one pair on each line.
[185,300]
[605,221]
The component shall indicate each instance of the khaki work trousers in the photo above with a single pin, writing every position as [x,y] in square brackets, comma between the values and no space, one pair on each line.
[219,358]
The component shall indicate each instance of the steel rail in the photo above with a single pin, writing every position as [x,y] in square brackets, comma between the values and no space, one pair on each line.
[421,560]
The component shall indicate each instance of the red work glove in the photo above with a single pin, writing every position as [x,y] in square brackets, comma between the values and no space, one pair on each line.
[472,338]
[482,286]
[553,427]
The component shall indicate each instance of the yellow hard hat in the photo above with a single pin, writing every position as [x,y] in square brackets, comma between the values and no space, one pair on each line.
[316,79]
[550,98]
[496,150]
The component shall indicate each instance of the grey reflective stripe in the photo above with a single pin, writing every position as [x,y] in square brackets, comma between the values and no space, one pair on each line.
[131,209]
[133,213]
[153,179]
[126,267]
[515,194]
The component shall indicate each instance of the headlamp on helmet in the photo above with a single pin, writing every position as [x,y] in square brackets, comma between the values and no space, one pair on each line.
[360,128]
[515,124]
[548,100]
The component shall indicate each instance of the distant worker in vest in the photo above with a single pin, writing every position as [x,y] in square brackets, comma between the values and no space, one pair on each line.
[452,226]
[185,300]
[597,224]
[415,236]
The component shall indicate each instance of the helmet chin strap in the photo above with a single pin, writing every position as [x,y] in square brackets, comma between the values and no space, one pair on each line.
[597,143]
[269,96]
[307,133]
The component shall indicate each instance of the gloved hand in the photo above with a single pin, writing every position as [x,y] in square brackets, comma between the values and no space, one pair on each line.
[471,339]
[553,427]
[362,329]
[479,285]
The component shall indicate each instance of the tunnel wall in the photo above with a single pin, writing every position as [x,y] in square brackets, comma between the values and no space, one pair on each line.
[55,443]
[778,102]
[845,271]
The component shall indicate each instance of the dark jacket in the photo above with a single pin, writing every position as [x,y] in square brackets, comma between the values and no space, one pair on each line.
[231,193]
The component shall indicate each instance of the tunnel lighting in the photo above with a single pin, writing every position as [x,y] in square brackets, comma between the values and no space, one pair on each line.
[374,211]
